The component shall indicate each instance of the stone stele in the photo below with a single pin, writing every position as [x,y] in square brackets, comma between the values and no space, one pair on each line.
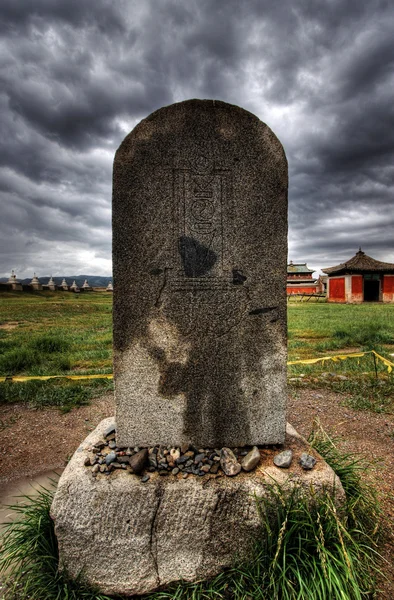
[127,537]
[200,257]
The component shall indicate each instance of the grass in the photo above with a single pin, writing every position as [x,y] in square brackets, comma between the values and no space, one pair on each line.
[49,333]
[308,550]
[320,330]
[60,394]
[54,334]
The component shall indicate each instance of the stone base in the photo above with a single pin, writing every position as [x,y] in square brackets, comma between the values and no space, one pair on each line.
[128,537]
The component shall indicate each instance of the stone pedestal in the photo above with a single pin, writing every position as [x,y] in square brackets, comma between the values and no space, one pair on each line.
[128,537]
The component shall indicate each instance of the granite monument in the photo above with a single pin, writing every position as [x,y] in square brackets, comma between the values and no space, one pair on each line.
[200,257]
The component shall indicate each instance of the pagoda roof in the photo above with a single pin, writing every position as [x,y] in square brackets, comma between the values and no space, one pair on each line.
[361,262]
[301,281]
[298,268]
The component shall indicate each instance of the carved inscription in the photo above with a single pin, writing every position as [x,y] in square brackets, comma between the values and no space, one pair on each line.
[202,226]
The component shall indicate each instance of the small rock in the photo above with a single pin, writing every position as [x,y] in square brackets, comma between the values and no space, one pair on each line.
[100,444]
[174,453]
[214,468]
[251,460]
[116,465]
[112,444]
[189,463]
[103,468]
[110,437]
[96,469]
[145,478]
[206,468]
[185,475]
[110,429]
[307,461]
[125,460]
[152,460]
[139,461]
[175,471]
[163,472]
[110,458]
[198,458]
[229,463]
[87,462]
[137,449]
[184,448]
[283,459]
[216,458]
[190,454]
[129,452]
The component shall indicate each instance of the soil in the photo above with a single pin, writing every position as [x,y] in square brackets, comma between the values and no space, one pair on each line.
[33,441]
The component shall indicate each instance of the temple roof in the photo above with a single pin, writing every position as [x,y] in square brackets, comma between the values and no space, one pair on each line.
[360,262]
[298,268]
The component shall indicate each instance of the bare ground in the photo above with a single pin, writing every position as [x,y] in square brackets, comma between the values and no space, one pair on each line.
[33,441]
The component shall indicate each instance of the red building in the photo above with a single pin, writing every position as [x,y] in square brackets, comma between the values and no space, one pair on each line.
[360,279]
[300,280]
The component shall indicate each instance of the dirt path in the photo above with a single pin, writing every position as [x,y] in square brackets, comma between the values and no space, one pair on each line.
[33,441]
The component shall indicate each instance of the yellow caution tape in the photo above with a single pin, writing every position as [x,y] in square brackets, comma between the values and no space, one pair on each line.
[311,361]
[306,361]
[387,362]
[46,377]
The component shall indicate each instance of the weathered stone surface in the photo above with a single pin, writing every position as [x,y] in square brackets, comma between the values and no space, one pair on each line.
[129,537]
[307,461]
[200,255]
[283,459]
[229,463]
[139,460]
[251,460]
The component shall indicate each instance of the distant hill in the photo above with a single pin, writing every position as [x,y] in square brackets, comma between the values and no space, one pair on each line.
[94,280]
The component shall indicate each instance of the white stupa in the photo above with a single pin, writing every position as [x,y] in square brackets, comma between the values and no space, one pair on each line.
[86,287]
[74,287]
[51,284]
[35,284]
[110,287]
[64,285]
[16,285]
[12,278]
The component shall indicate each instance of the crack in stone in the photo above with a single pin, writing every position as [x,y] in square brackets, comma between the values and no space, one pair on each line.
[153,537]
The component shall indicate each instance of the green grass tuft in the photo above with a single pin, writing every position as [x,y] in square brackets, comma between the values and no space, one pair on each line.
[50,343]
[57,393]
[15,361]
[29,555]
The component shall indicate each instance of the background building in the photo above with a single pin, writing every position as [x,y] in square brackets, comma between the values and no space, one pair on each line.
[300,280]
[360,279]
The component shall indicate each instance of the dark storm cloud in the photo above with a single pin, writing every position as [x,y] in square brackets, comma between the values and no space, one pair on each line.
[76,76]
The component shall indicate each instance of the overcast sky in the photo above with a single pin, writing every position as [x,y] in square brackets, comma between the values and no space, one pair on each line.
[78,75]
